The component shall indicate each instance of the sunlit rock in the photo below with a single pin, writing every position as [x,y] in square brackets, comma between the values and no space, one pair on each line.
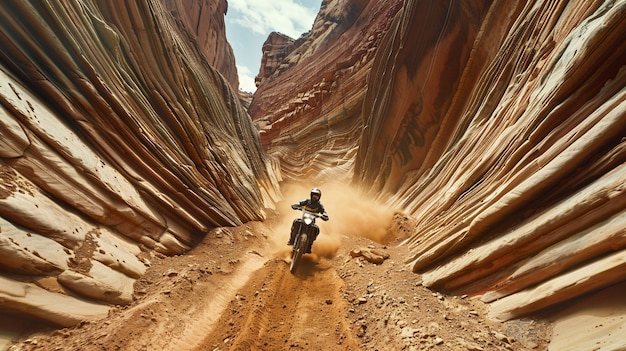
[308,104]
[58,309]
[23,252]
[498,126]
[276,48]
[99,283]
[122,138]
[204,22]
[501,129]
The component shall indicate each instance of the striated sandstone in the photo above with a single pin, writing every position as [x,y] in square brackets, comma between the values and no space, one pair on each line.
[59,309]
[203,20]
[122,138]
[100,283]
[276,48]
[308,106]
[497,126]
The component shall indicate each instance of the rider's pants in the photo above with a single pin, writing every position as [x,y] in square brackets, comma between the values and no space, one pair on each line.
[295,226]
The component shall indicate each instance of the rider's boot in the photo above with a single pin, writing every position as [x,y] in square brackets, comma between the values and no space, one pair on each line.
[308,248]
[291,239]
[294,230]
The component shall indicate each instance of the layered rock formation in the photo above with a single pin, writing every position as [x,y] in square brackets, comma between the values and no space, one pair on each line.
[119,141]
[498,126]
[507,147]
[276,48]
[308,105]
[203,23]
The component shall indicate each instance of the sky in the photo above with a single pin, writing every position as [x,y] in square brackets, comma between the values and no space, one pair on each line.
[249,23]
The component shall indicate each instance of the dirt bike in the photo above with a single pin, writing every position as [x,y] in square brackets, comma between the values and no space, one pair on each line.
[306,230]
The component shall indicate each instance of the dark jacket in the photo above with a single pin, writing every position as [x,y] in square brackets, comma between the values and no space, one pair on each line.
[312,206]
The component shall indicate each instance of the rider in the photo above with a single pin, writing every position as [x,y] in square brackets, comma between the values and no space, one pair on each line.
[312,205]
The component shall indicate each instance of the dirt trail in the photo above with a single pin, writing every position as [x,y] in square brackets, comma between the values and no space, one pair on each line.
[234,292]
[277,310]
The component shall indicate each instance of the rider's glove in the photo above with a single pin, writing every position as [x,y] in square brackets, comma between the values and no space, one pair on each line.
[325,217]
[294,206]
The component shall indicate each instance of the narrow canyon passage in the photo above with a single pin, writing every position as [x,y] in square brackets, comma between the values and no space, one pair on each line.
[144,197]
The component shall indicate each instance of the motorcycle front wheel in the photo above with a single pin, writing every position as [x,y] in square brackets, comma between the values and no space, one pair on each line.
[299,248]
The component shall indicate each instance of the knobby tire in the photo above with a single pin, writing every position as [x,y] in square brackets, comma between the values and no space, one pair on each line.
[298,251]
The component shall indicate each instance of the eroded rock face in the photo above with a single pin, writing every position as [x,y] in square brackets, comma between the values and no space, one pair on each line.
[204,22]
[120,140]
[276,48]
[498,126]
[507,146]
[308,105]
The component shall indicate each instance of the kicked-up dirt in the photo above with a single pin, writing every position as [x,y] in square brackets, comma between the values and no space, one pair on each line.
[234,291]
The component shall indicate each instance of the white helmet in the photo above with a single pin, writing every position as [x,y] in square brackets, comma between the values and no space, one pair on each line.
[316,194]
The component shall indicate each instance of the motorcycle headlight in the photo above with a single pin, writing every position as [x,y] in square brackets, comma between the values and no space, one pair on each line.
[308,219]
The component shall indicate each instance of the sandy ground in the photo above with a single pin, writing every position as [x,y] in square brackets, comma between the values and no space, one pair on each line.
[234,291]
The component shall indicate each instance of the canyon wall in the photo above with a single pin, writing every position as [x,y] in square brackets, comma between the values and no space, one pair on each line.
[202,21]
[311,89]
[507,146]
[498,127]
[120,141]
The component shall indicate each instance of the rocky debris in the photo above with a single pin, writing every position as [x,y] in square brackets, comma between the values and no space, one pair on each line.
[392,311]
[188,302]
[371,255]
[523,202]
[496,127]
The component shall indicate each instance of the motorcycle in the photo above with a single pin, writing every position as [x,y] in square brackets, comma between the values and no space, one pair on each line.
[306,230]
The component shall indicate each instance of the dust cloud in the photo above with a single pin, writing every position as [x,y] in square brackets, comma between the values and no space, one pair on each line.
[350,213]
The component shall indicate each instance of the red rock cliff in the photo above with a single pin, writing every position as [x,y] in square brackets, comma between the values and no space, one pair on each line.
[119,141]
[498,126]
[203,22]
[311,89]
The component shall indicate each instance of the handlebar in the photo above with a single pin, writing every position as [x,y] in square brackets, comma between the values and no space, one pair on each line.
[318,215]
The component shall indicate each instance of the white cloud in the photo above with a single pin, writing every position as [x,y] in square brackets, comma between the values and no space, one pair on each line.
[263,17]
[249,22]
[246,79]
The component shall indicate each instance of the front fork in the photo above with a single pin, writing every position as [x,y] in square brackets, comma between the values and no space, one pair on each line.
[303,228]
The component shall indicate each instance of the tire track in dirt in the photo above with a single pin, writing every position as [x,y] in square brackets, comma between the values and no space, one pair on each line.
[205,317]
[276,310]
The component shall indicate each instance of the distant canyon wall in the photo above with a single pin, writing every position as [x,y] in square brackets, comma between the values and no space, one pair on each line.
[499,127]
[119,141]
[311,89]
